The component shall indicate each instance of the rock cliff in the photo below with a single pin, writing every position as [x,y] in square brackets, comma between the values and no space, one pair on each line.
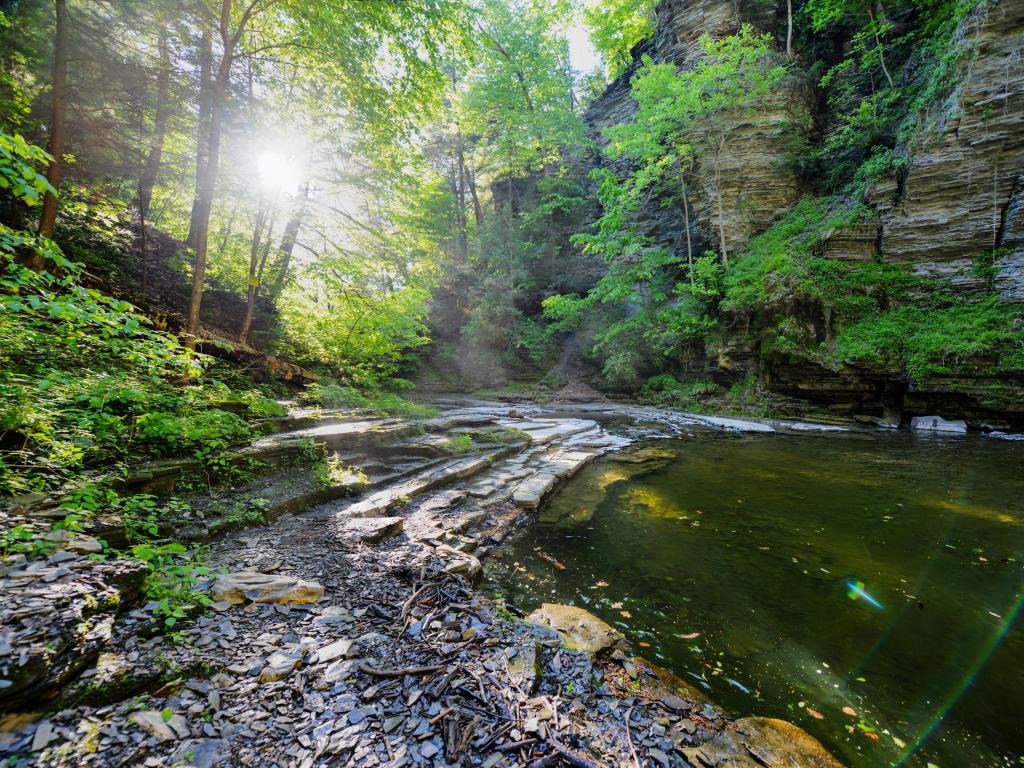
[952,214]
[961,196]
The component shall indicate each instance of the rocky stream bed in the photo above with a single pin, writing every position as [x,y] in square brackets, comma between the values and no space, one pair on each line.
[346,630]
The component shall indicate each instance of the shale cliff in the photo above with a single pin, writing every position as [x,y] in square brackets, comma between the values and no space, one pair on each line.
[945,215]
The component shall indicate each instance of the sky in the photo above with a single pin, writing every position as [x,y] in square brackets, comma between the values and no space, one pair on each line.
[581,51]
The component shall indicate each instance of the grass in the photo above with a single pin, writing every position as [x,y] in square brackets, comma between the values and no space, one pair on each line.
[458,445]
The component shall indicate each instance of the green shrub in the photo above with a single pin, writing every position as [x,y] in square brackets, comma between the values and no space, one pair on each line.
[169,432]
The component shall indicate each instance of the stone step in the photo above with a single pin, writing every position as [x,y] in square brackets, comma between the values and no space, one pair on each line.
[383,501]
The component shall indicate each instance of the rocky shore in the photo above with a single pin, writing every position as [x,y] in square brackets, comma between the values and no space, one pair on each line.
[347,630]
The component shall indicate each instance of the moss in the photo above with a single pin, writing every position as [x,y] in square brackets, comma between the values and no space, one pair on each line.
[458,445]
[978,335]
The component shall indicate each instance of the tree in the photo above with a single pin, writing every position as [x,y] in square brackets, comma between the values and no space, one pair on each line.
[698,107]
[412,33]
[615,27]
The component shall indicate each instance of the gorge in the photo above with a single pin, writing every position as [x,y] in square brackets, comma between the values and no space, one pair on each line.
[511,383]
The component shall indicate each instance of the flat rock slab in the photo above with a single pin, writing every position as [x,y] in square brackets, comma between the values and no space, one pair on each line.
[279,665]
[580,629]
[336,650]
[153,722]
[374,529]
[256,587]
[730,425]
[530,491]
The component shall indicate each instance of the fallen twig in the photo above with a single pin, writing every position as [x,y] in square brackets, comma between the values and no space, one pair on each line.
[368,670]
[574,757]
[629,738]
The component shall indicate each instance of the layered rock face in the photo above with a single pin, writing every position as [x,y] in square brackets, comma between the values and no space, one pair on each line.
[757,184]
[962,195]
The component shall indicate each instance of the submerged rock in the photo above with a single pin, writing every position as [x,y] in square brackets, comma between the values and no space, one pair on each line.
[265,588]
[580,629]
[754,742]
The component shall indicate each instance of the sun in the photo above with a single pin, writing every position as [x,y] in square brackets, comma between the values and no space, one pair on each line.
[278,172]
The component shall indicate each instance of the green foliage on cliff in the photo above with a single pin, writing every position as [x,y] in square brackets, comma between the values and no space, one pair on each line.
[883,95]
[654,300]
[616,26]
[981,334]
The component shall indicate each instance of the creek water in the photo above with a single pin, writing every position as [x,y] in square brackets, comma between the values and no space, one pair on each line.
[880,574]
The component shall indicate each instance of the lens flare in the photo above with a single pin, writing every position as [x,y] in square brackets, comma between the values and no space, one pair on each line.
[857,592]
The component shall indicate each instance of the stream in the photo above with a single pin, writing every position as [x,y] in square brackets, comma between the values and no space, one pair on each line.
[861,585]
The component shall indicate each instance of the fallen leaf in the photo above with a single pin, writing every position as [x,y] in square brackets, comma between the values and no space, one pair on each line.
[691,636]
[850,711]
[644,645]
[815,714]
[601,584]
[617,604]
[872,736]
[626,614]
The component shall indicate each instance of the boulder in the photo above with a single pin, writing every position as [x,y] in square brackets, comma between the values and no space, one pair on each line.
[579,629]
[257,587]
[937,424]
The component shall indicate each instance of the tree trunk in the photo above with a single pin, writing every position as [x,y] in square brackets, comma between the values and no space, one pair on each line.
[255,268]
[203,128]
[686,218]
[56,147]
[163,107]
[291,234]
[789,27]
[147,180]
[462,242]
[721,210]
[208,177]
[478,210]
[881,49]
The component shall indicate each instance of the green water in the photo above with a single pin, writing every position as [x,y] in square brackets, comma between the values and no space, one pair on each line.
[751,542]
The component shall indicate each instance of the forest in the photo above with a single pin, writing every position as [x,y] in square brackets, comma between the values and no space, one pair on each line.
[226,222]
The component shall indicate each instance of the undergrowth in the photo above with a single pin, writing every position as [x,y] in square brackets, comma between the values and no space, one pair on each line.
[376,402]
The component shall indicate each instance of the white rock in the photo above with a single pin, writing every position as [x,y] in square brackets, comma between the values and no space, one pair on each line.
[335,650]
[937,424]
